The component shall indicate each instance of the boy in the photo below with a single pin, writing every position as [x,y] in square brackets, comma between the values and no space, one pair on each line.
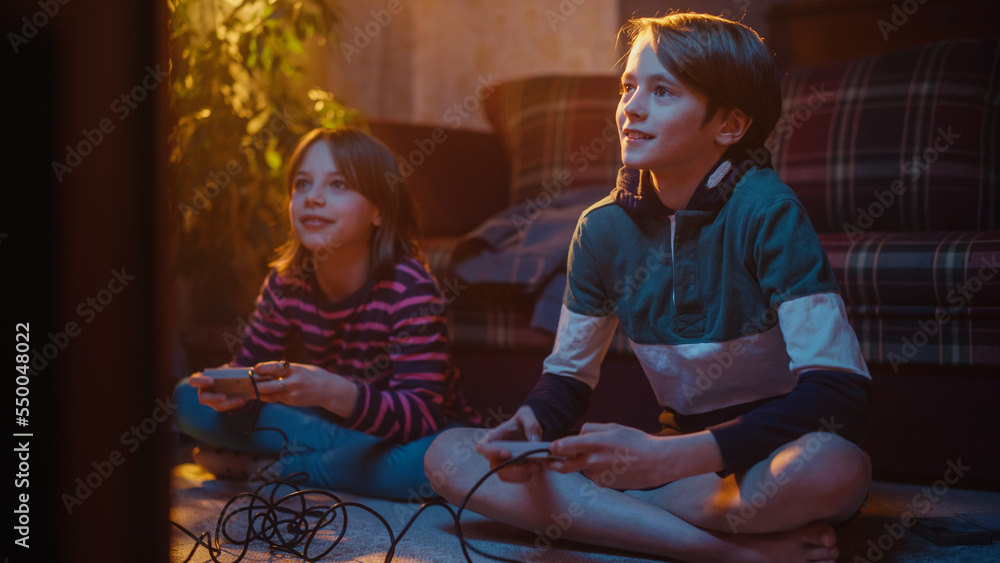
[737,322]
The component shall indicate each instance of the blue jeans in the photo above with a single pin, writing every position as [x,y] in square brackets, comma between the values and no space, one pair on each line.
[334,457]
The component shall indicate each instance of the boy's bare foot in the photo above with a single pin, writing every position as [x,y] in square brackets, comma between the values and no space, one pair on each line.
[815,543]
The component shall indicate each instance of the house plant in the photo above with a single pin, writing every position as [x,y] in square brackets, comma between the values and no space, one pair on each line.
[239,100]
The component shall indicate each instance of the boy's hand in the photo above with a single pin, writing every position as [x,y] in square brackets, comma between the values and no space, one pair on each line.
[621,457]
[218,401]
[522,426]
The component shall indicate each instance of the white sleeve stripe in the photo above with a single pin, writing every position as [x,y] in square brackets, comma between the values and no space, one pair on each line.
[818,335]
[581,344]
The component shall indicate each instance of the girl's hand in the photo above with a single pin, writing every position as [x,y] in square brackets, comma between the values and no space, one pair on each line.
[218,401]
[522,426]
[621,457]
[305,385]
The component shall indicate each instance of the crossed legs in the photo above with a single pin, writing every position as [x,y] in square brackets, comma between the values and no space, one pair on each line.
[781,509]
[334,457]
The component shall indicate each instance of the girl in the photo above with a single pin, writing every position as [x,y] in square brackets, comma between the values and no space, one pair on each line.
[379,383]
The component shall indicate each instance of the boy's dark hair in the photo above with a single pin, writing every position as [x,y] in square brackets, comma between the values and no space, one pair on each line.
[366,163]
[724,60]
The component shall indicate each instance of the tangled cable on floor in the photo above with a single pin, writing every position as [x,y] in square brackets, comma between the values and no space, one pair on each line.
[293,529]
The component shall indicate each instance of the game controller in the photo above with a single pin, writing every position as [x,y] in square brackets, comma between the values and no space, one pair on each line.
[235,382]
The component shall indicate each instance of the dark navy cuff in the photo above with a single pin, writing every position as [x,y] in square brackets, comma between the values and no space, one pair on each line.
[558,402]
[823,401]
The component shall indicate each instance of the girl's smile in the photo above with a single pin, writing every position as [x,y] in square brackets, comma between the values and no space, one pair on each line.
[312,222]
[326,212]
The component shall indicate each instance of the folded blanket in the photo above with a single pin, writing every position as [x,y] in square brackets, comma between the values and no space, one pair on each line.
[526,245]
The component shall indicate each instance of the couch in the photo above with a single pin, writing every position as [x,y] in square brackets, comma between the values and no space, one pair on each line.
[896,158]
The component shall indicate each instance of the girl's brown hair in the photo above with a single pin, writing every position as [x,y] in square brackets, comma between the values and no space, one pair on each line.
[370,168]
[724,60]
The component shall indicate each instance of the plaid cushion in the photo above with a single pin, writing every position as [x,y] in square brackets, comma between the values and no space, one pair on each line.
[953,270]
[943,336]
[922,298]
[903,141]
[559,132]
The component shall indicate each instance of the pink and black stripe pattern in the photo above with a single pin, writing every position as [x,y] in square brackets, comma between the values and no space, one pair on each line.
[390,337]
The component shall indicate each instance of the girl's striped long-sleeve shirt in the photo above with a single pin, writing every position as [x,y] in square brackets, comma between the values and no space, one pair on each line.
[390,338]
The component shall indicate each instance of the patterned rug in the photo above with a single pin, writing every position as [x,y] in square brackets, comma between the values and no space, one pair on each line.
[880,534]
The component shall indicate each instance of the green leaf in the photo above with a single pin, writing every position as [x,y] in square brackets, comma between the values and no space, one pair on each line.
[257,123]
[267,56]
[273,159]
[293,43]
[233,63]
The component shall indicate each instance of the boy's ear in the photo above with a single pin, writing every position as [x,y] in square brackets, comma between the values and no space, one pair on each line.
[734,125]
[377,217]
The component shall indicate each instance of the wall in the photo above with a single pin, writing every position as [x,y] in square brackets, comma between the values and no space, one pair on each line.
[462,45]
[749,12]
[414,60]
[370,66]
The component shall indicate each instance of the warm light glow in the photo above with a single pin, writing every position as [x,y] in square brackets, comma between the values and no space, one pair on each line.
[193,473]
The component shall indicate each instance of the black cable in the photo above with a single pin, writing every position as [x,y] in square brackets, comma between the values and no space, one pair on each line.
[275,521]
